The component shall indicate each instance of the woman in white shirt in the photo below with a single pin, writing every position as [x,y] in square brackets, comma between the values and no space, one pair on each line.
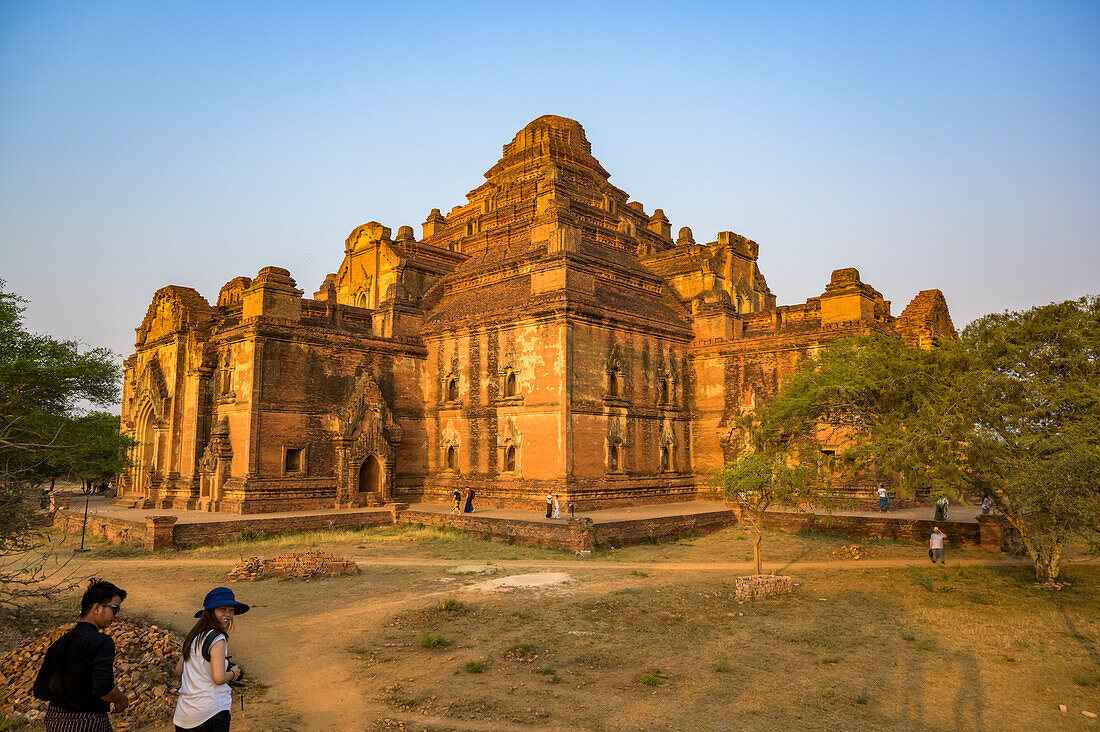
[205,696]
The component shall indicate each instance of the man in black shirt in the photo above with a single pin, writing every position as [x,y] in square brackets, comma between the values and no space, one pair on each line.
[77,675]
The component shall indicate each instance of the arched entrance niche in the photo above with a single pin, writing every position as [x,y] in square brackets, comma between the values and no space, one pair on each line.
[145,451]
[370,478]
[364,436]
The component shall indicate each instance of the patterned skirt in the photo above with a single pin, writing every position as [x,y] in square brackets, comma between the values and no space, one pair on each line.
[58,720]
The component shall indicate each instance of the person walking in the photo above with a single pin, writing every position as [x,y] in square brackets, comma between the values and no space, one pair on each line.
[557,507]
[77,675]
[935,545]
[469,500]
[549,504]
[457,496]
[883,500]
[205,695]
[939,510]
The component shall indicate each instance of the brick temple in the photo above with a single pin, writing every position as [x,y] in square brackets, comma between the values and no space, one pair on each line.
[548,335]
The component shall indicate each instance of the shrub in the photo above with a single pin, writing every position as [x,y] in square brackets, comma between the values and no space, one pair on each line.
[433,641]
[474,667]
[452,605]
[722,667]
[651,677]
[862,698]
[250,534]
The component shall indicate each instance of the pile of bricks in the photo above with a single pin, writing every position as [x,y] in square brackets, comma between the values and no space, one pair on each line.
[309,564]
[851,551]
[145,657]
[758,586]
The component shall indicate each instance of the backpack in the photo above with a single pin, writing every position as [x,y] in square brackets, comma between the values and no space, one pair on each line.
[211,637]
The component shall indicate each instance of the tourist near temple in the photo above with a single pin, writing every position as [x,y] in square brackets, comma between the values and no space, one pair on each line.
[548,335]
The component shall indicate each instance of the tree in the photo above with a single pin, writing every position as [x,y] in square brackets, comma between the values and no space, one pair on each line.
[776,473]
[43,385]
[1011,411]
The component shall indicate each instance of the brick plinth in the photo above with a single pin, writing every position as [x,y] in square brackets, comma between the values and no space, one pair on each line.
[158,532]
[760,586]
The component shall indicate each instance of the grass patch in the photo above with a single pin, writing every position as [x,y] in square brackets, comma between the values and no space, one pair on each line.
[638,573]
[474,667]
[452,605]
[628,591]
[651,677]
[433,641]
[521,652]
[722,667]
[862,698]
[546,671]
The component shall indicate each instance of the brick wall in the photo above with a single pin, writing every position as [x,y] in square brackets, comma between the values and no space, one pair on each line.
[112,529]
[213,532]
[958,534]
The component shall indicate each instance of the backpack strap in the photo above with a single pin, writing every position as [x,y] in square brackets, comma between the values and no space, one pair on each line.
[208,641]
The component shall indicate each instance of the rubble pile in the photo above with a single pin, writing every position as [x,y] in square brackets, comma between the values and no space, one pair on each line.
[758,586]
[309,564]
[851,551]
[145,657]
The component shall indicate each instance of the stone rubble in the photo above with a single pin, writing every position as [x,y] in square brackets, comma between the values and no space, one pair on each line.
[145,657]
[851,551]
[759,586]
[310,564]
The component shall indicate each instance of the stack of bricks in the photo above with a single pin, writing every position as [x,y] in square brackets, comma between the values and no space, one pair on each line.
[309,564]
[758,586]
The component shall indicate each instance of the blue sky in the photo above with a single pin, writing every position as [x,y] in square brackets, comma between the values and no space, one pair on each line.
[943,145]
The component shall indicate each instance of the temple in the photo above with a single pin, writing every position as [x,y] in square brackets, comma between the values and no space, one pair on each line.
[548,335]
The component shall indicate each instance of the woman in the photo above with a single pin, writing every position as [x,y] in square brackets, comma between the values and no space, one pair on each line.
[457,496]
[205,697]
[469,501]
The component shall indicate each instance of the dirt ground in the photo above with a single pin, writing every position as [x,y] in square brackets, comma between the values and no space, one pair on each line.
[441,631]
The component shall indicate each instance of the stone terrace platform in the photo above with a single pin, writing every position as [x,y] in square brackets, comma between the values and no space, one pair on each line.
[164,529]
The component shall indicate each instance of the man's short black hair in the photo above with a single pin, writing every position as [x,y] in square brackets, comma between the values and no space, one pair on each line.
[99,592]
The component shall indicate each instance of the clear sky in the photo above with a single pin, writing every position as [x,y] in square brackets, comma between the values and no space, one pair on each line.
[949,145]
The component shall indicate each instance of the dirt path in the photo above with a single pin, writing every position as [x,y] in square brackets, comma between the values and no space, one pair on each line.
[300,644]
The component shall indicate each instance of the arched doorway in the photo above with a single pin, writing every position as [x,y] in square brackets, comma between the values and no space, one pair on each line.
[144,451]
[370,476]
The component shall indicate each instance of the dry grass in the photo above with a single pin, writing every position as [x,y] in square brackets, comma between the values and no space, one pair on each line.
[633,643]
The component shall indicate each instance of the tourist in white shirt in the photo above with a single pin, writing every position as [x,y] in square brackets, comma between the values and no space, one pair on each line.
[935,545]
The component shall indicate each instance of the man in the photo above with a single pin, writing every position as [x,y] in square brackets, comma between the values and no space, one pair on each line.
[883,500]
[935,545]
[549,503]
[77,675]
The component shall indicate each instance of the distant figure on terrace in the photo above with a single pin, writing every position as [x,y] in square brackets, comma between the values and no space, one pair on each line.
[557,508]
[469,501]
[457,500]
[941,509]
[883,501]
[549,504]
[987,504]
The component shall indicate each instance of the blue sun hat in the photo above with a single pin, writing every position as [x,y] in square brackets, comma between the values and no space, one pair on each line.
[221,597]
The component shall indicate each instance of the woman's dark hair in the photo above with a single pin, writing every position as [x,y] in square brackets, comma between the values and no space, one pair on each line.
[206,621]
[99,592]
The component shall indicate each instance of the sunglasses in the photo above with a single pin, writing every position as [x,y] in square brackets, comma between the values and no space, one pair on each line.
[115,609]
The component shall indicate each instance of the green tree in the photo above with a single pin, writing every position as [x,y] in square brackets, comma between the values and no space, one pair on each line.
[44,383]
[1011,411]
[782,472]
